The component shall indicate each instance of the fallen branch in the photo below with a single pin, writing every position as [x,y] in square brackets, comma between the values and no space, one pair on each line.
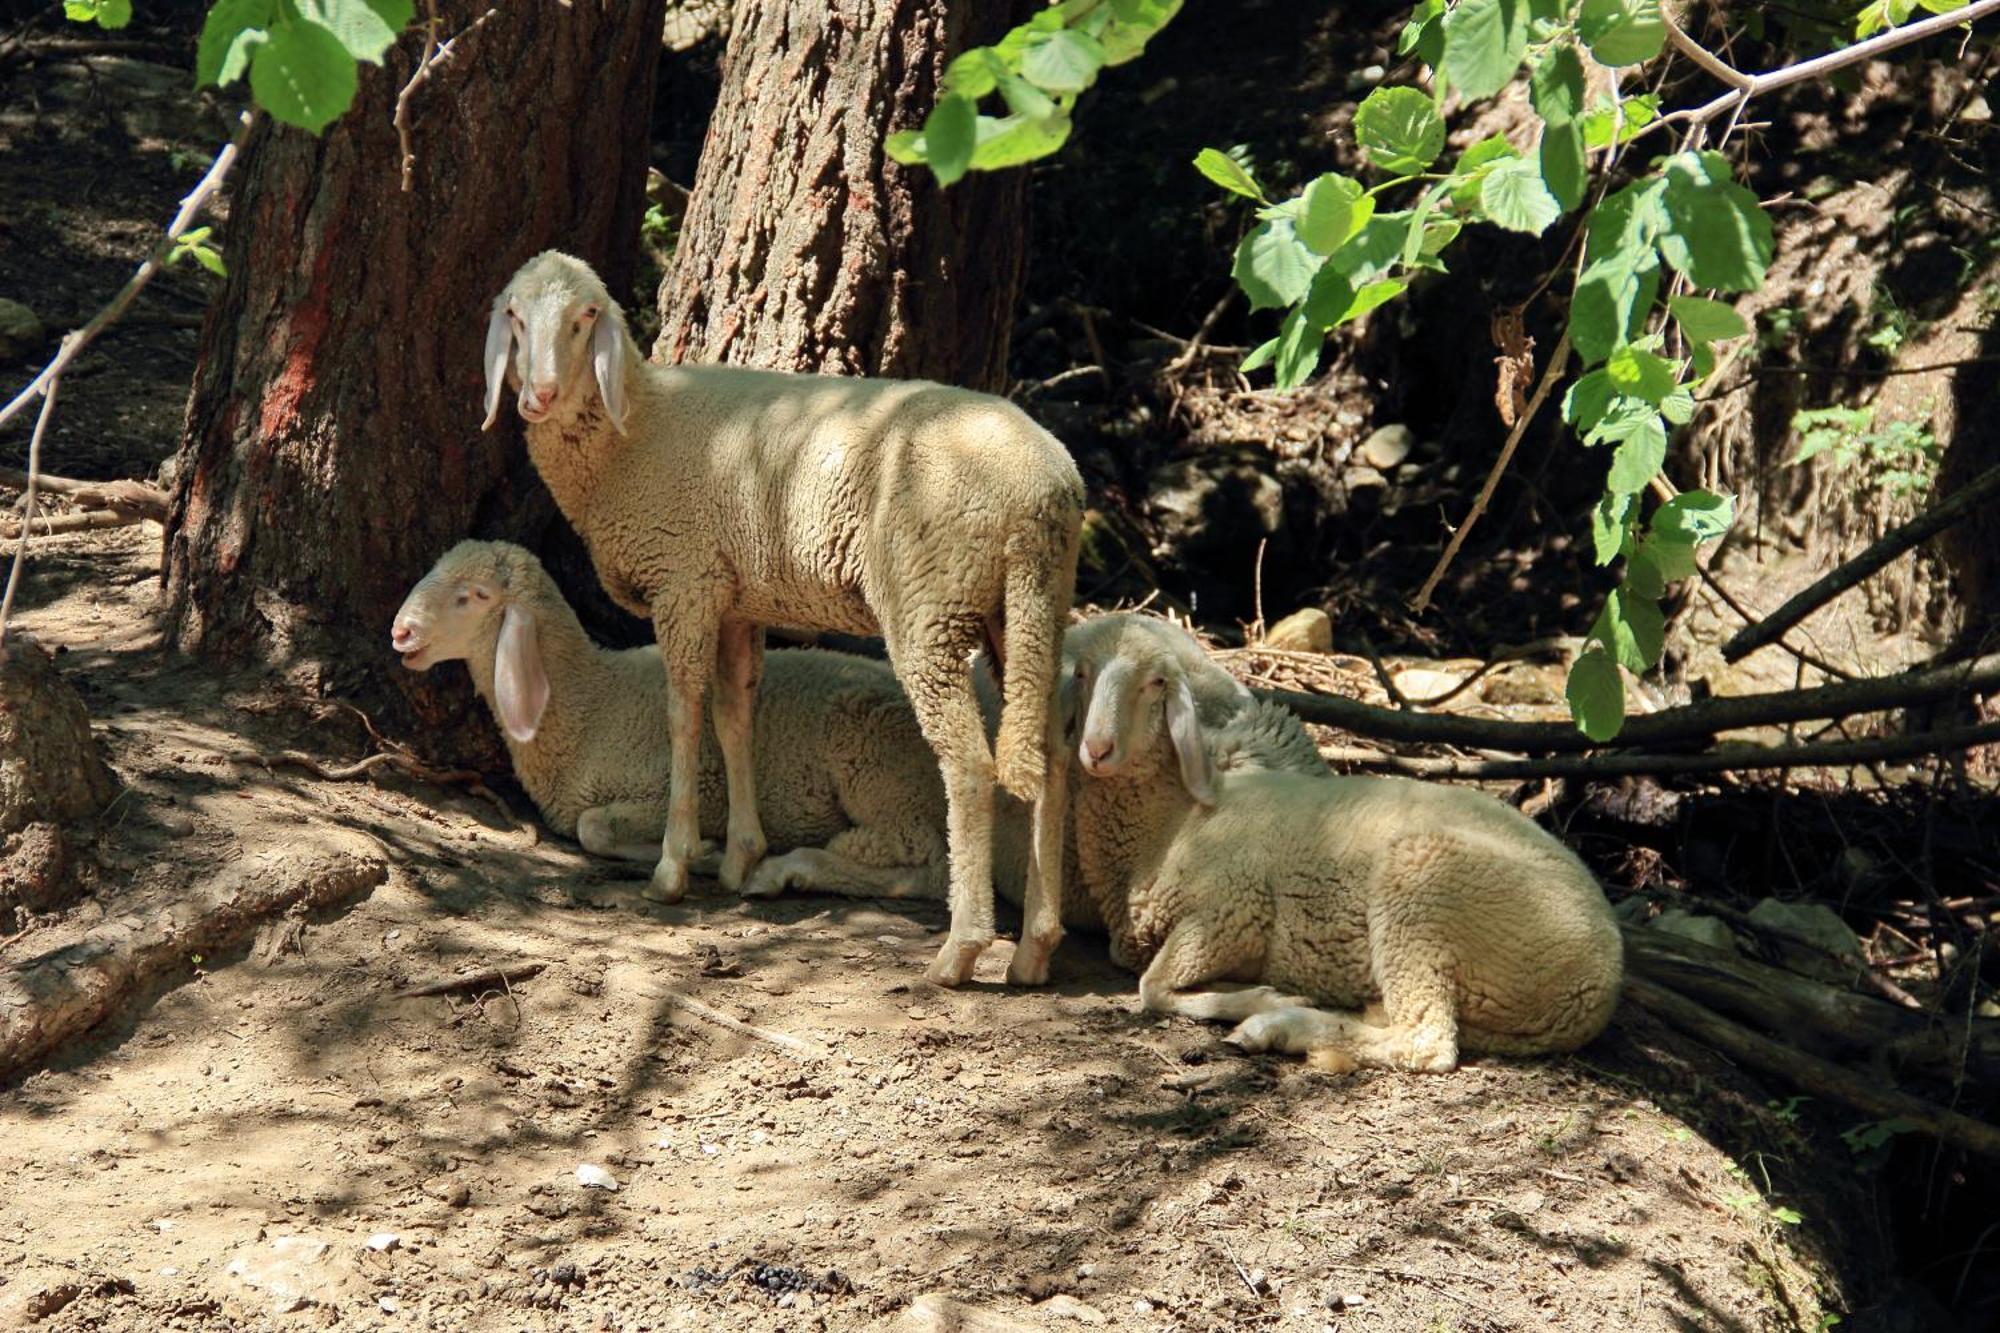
[797,1047]
[396,757]
[503,977]
[1960,505]
[1736,758]
[1552,372]
[1824,1019]
[151,501]
[1690,722]
[1822,1078]
[54,525]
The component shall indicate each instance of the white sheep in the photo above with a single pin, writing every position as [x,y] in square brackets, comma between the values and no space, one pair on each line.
[719,500]
[1475,929]
[854,797]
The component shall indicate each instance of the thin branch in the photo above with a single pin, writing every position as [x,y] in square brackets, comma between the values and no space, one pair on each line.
[134,495]
[1550,374]
[435,54]
[1729,759]
[1691,722]
[44,384]
[89,521]
[1751,617]
[1744,87]
[797,1047]
[485,979]
[1960,505]
[1701,55]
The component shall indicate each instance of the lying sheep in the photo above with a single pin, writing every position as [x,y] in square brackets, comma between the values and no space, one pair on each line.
[719,500]
[1474,928]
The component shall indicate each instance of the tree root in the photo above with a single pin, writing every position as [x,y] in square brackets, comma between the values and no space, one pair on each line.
[60,995]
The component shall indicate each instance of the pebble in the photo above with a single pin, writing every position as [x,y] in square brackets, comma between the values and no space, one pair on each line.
[593,1177]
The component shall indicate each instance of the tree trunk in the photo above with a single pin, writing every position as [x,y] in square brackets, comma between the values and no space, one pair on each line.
[804,247]
[332,447]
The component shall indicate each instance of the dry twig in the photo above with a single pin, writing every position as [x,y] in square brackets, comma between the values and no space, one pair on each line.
[484,979]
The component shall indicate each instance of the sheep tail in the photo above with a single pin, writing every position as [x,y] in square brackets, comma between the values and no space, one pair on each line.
[1041,584]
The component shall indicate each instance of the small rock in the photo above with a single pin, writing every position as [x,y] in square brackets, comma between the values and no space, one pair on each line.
[1815,923]
[1142,1306]
[1309,630]
[1065,1306]
[1387,446]
[593,1177]
[455,1193]
[389,1305]
[384,1241]
[21,331]
[1701,929]
[1345,1300]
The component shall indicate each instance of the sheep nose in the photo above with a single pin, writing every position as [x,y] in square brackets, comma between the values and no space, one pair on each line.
[542,395]
[1098,751]
[400,636]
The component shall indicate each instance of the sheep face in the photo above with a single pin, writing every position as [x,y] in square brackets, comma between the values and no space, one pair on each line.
[556,337]
[1130,691]
[452,613]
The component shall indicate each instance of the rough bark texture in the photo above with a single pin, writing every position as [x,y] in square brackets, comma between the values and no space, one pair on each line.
[332,447]
[804,247]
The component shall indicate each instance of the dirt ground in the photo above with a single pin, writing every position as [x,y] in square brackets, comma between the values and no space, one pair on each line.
[274,1137]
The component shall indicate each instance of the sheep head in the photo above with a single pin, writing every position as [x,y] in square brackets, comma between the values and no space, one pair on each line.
[1126,680]
[553,322]
[478,599]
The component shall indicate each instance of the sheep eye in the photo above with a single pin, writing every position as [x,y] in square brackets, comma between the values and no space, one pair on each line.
[462,599]
[1157,683]
[481,594]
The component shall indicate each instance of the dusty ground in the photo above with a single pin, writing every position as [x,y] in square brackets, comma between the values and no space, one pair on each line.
[229,1147]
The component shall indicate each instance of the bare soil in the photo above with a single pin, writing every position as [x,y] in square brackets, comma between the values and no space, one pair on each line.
[227,1146]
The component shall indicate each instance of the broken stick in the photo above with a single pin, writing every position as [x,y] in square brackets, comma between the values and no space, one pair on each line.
[483,979]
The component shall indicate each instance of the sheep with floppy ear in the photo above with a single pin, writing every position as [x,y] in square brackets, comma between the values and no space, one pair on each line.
[1472,926]
[718,500]
[854,800]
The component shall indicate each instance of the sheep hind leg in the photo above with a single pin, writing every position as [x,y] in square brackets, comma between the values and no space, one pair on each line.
[688,650]
[1041,908]
[1415,1029]
[740,670]
[1190,956]
[823,870]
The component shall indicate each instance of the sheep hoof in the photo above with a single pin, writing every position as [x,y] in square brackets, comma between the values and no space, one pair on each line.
[772,877]
[1029,966]
[1260,1032]
[738,863]
[668,885]
[953,965]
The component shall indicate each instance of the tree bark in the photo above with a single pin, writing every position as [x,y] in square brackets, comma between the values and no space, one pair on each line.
[804,246]
[332,447]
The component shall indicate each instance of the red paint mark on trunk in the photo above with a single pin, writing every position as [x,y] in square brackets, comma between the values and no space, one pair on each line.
[296,378]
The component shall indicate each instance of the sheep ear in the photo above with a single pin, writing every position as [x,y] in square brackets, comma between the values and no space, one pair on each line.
[520,686]
[607,357]
[1197,769]
[499,347]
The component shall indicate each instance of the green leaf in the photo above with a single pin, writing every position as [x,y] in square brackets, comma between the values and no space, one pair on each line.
[1374,294]
[1024,99]
[1375,249]
[905,146]
[209,260]
[1587,400]
[1674,559]
[1704,321]
[951,131]
[1556,85]
[1610,303]
[1633,628]
[1563,169]
[1513,196]
[396,13]
[1609,524]
[357,23]
[1678,406]
[1470,171]
[1400,129]
[1273,266]
[1063,62]
[229,32]
[1627,223]
[1260,356]
[1327,217]
[973,74]
[1695,516]
[1638,373]
[1642,447]
[1484,41]
[1622,32]
[303,75]
[1717,234]
[1642,574]
[1596,694]
[1627,116]
[1227,172]
[1420,28]
[1014,140]
[1329,299]
[1298,350]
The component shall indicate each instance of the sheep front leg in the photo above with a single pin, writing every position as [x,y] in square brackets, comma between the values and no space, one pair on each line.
[740,670]
[1195,952]
[688,649]
[631,831]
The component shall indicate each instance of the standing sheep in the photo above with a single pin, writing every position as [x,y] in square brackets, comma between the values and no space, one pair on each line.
[720,500]
[1474,928]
